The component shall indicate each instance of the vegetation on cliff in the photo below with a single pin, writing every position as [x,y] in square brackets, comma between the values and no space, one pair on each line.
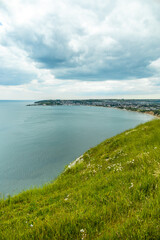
[111,192]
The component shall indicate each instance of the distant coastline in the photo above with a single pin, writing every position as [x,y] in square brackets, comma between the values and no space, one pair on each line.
[147,106]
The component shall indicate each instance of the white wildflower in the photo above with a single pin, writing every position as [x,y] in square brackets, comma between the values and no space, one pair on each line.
[131,185]
[82,230]
[31,225]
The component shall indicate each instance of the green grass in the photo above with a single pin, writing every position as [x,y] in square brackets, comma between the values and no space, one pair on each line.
[112,193]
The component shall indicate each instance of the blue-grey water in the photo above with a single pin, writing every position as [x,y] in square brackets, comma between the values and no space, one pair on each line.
[36,143]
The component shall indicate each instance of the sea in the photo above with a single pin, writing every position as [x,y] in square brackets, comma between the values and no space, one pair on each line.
[37,142]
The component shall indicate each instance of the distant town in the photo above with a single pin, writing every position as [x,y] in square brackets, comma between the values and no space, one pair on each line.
[151,106]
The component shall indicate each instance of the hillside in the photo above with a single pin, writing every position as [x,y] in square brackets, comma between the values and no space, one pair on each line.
[111,192]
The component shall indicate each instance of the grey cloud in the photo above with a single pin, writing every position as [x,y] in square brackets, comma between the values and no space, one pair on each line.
[14,77]
[128,58]
[95,63]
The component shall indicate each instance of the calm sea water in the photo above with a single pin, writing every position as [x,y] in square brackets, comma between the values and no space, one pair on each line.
[36,143]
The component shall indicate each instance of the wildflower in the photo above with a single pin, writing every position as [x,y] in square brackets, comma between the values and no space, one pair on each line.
[31,225]
[66,197]
[82,231]
[131,185]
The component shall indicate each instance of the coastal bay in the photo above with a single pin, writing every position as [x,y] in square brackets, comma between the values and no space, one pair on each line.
[37,143]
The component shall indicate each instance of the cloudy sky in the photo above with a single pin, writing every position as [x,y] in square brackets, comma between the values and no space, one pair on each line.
[79,49]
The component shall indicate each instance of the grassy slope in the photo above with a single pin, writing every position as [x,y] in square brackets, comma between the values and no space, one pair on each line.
[114,193]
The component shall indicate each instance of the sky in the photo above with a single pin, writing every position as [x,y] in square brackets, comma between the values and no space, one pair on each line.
[73,49]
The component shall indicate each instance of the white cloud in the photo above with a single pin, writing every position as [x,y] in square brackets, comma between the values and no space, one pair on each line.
[74,89]
[155,66]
